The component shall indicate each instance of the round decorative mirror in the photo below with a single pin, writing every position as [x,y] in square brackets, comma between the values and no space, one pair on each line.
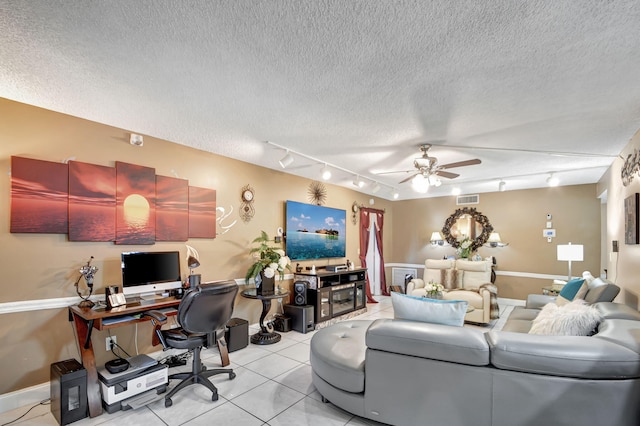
[467,222]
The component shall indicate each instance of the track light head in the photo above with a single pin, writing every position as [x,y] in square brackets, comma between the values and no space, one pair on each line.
[326,173]
[286,160]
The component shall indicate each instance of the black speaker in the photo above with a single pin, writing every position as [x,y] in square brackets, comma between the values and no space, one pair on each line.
[301,317]
[68,391]
[300,293]
[236,334]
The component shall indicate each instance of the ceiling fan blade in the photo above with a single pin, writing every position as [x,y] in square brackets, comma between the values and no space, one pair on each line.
[409,178]
[394,172]
[447,175]
[461,164]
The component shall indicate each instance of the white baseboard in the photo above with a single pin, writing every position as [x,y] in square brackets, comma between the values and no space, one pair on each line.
[25,397]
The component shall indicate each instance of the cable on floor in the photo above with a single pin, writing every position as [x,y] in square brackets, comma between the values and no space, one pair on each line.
[43,402]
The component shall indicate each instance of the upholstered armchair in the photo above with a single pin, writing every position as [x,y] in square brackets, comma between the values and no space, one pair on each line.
[475,287]
[437,270]
[462,280]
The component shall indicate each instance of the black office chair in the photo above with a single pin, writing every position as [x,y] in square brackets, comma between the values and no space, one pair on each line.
[202,314]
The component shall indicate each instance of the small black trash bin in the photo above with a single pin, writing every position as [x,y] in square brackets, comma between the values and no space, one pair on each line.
[68,391]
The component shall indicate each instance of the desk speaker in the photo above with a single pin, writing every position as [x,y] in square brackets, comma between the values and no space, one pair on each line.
[300,293]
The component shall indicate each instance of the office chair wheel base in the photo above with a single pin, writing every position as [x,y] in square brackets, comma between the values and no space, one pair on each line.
[232,375]
[168,403]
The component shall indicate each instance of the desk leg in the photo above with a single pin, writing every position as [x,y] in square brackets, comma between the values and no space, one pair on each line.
[89,363]
[264,336]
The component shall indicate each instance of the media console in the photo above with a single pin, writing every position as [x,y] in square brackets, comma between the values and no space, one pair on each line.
[334,293]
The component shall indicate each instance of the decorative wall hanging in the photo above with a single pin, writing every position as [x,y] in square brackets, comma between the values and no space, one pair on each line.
[478,236]
[172,209]
[127,204]
[92,201]
[135,204]
[202,212]
[39,196]
[631,218]
[317,193]
[246,209]
[631,167]
[354,212]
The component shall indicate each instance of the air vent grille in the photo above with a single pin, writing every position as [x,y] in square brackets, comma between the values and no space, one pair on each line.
[467,199]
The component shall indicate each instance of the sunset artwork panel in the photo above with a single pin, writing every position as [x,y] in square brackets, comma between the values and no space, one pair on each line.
[202,212]
[92,202]
[135,204]
[172,209]
[39,196]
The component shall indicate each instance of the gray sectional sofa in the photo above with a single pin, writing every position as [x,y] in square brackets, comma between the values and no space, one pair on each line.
[408,373]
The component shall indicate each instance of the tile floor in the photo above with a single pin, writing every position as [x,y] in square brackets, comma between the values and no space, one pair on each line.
[272,387]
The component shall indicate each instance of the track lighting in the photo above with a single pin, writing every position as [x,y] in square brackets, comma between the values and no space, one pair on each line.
[456,191]
[286,160]
[552,180]
[395,194]
[358,182]
[502,186]
[326,173]
[376,188]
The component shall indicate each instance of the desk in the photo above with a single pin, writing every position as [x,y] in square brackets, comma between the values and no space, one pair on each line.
[264,336]
[86,319]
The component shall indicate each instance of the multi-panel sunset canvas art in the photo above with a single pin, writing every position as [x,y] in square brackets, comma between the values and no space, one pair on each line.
[127,204]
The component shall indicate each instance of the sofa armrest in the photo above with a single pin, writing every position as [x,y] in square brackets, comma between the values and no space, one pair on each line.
[414,284]
[537,301]
[433,341]
[566,356]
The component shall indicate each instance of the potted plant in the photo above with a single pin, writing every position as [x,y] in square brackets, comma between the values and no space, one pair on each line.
[268,260]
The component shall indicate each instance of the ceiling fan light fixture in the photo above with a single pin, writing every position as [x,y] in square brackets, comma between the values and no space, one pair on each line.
[552,180]
[420,184]
[286,160]
[326,173]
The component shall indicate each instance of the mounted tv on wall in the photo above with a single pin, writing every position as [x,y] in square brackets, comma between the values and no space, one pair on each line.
[315,232]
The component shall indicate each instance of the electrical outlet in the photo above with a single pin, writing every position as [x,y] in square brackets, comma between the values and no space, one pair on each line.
[108,341]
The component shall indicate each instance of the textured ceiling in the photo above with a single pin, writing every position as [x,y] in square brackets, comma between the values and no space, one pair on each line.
[356,84]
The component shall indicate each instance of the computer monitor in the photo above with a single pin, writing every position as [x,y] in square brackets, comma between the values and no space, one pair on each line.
[146,274]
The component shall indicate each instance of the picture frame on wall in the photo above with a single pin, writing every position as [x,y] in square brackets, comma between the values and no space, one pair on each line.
[631,216]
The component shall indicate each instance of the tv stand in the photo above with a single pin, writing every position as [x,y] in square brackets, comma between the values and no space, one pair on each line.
[333,294]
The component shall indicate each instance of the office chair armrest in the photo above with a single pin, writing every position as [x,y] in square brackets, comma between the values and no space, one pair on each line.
[157,319]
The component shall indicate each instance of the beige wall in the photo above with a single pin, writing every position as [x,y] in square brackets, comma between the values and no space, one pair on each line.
[519,217]
[43,266]
[624,266]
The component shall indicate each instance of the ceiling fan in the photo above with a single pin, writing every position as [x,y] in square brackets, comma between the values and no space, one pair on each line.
[428,166]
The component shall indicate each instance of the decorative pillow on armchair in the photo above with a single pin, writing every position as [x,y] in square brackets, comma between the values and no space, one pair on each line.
[447,312]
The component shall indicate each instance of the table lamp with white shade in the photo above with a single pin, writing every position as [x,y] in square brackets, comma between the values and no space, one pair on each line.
[570,252]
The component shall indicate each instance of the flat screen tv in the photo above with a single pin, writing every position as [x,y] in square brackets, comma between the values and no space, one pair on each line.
[148,273]
[315,232]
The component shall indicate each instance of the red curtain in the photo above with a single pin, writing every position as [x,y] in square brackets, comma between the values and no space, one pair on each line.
[375,218]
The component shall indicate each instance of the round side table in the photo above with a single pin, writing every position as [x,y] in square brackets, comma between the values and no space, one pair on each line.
[264,336]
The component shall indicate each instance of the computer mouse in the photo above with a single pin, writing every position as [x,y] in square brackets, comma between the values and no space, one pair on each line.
[117,365]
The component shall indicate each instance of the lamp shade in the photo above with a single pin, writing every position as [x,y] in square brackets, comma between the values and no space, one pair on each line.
[436,236]
[494,237]
[193,258]
[571,252]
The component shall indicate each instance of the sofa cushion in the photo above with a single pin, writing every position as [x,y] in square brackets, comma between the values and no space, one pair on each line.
[440,271]
[611,310]
[337,354]
[604,293]
[447,312]
[573,319]
[574,289]
[473,274]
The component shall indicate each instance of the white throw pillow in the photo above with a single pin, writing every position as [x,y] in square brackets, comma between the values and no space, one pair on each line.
[596,282]
[573,319]
[447,312]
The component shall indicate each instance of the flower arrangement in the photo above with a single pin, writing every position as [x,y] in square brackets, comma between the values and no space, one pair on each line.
[465,248]
[268,259]
[433,288]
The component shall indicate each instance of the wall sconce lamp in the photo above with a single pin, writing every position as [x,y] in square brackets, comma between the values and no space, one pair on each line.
[436,239]
[570,252]
[286,160]
[495,240]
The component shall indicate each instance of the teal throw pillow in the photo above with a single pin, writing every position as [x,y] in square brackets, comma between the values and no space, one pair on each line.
[571,288]
[414,308]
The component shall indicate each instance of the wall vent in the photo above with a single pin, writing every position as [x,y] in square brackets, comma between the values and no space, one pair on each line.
[468,199]
[398,275]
